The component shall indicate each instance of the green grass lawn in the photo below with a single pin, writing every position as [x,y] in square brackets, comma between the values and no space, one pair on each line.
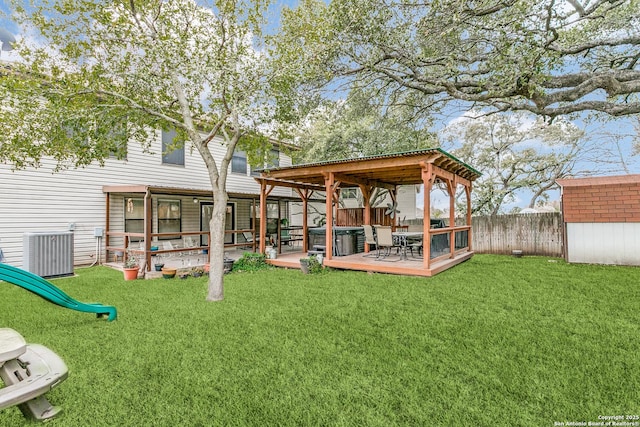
[495,341]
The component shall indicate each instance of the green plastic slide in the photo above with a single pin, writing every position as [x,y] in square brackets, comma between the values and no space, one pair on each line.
[48,291]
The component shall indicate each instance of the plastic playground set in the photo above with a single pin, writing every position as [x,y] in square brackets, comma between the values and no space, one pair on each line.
[31,370]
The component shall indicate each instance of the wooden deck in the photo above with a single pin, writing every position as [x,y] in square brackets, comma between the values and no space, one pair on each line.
[411,267]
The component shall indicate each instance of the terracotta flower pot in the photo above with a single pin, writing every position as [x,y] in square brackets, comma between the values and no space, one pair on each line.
[130,273]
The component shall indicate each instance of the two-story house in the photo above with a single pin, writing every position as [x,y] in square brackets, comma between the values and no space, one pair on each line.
[98,204]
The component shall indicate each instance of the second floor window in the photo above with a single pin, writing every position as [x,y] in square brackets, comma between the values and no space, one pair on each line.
[239,162]
[171,154]
[118,139]
[272,161]
[119,151]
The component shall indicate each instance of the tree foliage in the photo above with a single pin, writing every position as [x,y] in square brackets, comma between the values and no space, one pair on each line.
[100,74]
[360,126]
[521,155]
[546,57]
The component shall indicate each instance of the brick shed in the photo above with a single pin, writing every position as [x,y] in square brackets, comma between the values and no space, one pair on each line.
[602,219]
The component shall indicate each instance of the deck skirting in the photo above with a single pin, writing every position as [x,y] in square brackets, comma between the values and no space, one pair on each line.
[357,262]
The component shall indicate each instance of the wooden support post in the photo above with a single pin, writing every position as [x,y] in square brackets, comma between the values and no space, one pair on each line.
[263,216]
[330,191]
[305,194]
[394,200]
[253,222]
[279,229]
[366,216]
[107,227]
[451,188]
[427,181]
[467,190]
[148,221]
[305,220]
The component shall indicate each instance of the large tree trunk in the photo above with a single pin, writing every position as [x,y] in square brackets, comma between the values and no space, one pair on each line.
[216,246]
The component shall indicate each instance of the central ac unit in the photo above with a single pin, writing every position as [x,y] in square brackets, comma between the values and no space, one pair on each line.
[48,254]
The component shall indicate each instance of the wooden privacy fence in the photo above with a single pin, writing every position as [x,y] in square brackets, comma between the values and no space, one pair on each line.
[534,234]
[354,217]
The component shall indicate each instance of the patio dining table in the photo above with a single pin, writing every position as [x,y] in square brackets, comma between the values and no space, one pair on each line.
[404,238]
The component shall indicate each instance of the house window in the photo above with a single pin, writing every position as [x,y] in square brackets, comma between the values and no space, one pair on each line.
[119,151]
[118,138]
[134,217]
[349,193]
[272,161]
[172,154]
[169,218]
[239,162]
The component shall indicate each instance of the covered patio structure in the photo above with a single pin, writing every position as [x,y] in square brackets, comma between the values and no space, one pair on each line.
[430,167]
[159,224]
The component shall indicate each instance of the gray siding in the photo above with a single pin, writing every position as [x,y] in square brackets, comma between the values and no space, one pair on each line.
[40,200]
[406,202]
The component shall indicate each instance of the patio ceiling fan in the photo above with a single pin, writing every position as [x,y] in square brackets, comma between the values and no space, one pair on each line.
[392,210]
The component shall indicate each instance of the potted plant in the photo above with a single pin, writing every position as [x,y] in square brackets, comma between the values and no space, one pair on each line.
[183,274]
[130,268]
[310,265]
[228,265]
[169,272]
[304,265]
[159,266]
[197,271]
[272,252]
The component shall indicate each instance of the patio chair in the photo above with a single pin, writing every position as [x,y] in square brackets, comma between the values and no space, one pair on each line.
[189,242]
[370,238]
[384,237]
[285,237]
[295,236]
[167,246]
[248,237]
[415,244]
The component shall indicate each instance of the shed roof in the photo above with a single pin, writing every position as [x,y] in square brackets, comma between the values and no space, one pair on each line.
[599,180]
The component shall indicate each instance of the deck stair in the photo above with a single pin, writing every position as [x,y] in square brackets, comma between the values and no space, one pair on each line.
[317,250]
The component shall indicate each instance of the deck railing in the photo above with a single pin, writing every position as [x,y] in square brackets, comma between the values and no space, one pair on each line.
[134,243]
